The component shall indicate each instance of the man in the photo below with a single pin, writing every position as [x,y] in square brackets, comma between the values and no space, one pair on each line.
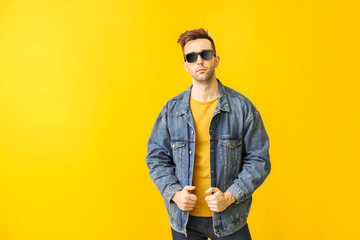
[208,150]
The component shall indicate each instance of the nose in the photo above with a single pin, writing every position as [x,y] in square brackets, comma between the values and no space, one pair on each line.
[199,60]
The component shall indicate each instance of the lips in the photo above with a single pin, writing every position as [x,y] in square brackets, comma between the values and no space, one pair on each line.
[201,70]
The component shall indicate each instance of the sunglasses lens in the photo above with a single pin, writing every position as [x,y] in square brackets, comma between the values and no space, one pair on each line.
[207,54]
[191,57]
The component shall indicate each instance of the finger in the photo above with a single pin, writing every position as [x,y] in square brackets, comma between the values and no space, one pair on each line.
[191,205]
[212,190]
[192,197]
[189,208]
[211,203]
[217,193]
[209,198]
[192,201]
[189,188]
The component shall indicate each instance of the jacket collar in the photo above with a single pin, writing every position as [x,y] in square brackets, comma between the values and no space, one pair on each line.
[223,102]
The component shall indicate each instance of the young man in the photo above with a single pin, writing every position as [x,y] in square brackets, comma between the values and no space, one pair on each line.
[208,151]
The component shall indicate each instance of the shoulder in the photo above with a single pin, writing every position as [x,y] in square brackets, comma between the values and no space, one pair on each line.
[177,98]
[174,104]
[237,99]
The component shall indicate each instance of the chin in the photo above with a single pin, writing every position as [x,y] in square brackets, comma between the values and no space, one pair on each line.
[202,79]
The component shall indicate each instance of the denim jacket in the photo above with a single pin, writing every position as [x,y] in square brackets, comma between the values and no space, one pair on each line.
[239,156]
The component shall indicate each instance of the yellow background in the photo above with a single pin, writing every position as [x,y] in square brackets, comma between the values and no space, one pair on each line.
[82,82]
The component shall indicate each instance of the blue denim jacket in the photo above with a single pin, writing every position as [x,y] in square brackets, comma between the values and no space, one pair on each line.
[239,155]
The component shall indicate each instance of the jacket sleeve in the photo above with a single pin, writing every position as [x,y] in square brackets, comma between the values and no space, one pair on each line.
[256,160]
[159,159]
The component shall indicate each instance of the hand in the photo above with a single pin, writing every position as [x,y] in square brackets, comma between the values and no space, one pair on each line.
[185,200]
[219,201]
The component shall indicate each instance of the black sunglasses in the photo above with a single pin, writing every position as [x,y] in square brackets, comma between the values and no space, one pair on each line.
[205,54]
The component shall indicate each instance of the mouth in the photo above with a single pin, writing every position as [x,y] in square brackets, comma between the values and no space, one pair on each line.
[201,70]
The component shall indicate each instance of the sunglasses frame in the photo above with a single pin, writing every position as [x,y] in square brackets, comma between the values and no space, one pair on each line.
[200,53]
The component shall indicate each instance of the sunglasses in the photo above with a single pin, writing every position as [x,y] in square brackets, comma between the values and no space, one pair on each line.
[205,54]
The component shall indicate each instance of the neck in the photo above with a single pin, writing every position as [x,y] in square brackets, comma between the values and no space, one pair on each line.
[205,91]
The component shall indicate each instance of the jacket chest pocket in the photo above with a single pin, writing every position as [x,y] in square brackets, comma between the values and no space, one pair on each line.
[178,148]
[230,155]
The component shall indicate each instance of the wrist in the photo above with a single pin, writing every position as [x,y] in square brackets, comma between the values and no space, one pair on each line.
[174,196]
[231,199]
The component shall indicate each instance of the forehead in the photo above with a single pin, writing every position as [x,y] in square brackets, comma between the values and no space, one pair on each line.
[197,45]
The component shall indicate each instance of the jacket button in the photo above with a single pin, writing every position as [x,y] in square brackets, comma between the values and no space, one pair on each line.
[212,150]
[182,213]
[190,152]
[192,132]
[173,145]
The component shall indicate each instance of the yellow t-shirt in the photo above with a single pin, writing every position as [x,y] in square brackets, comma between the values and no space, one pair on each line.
[202,113]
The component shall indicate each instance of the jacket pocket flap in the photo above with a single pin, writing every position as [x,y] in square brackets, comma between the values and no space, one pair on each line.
[230,143]
[177,144]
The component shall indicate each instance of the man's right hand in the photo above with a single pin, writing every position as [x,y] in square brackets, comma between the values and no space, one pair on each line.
[184,200]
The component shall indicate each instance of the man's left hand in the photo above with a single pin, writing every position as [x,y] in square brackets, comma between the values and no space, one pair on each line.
[219,201]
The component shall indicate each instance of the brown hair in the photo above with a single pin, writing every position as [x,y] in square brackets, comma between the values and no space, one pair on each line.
[194,34]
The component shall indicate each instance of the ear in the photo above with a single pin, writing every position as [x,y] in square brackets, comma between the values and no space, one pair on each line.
[185,66]
[217,60]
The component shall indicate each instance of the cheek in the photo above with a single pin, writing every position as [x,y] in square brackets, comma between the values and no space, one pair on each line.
[190,69]
[186,66]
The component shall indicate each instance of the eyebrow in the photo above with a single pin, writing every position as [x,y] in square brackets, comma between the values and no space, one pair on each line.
[198,52]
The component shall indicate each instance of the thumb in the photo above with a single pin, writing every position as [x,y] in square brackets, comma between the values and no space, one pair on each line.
[212,190]
[189,188]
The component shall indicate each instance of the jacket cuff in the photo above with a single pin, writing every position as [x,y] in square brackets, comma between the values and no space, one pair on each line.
[170,191]
[237,193]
